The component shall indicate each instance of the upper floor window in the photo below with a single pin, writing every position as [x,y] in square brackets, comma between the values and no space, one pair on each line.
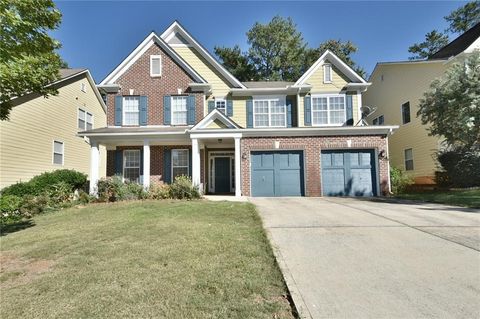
[179,163]
[269,112]
[221,105]
[406,113]
[179,110]
[131,110]
[155,65]
[328,110]
[58,152]
[83,87]
[131,165]
[409,159]
[85,120]
[327,73]
[378,120]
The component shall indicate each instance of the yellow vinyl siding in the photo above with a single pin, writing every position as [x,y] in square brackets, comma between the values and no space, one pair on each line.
[240,110]
[402,83]
[216,125]
[26,140]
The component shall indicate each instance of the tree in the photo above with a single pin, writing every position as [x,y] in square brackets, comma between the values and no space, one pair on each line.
[434,41]
[236,62]
[464,17]
[28,61]
[451,106]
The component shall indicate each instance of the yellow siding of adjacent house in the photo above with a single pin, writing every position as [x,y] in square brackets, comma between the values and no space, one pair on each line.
[402,83]
[26,140]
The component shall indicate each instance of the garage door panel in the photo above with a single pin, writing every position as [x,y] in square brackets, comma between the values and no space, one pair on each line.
[289,182]
[361,182]
[334,181]
[263,182]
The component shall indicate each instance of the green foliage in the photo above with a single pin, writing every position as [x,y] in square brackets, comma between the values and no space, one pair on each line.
[451,107]
[34,205]
[10,208]
[237,63]
[464,17]
[112,189]
[59,193]
[461,167]
[159,192]
[182,188]
[399,180]
[433,42]
[28,61]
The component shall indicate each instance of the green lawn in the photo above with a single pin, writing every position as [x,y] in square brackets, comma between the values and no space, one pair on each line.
[152,259]
[468,198]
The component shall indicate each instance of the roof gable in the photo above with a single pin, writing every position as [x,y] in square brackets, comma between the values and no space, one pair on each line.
[464,42]
[217,118]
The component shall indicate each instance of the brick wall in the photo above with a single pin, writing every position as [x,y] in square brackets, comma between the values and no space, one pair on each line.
[138,78]
[311,147]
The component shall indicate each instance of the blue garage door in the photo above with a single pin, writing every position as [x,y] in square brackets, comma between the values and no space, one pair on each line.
[349,173]
[277,173]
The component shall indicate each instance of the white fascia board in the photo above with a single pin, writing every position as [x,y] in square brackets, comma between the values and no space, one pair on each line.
[263,91]
[126,134]
[175,26]
[212,116]
[215,135]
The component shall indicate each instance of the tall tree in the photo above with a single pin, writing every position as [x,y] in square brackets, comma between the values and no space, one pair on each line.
[464,17]
[28,61]
[236,62]
[434,41]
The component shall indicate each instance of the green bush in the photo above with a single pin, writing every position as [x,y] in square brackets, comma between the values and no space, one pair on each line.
[84,197]
[131,191]
[182,188]
[159,192]
[112,189]
[59,194]
[10,208]
[399,180]
[33,205]
[460,168]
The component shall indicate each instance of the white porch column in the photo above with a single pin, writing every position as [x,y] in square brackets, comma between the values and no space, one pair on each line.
[238,175]
[146,164]
[94,164]
[195,162]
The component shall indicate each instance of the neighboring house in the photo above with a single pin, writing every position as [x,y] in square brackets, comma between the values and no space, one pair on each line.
[41,134]
[396,90]
[173,110]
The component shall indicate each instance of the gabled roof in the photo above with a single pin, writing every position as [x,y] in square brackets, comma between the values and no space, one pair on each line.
[214,116]
[459,45]
[151,39]
[267,84]
[176,30]
[336,61]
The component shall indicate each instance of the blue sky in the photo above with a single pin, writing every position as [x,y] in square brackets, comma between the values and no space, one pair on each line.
[98,35]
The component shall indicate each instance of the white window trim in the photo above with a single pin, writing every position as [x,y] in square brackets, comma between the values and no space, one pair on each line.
[325,65]
[171,161]
[221,99]
[84,119]
[124,166]
[410,159]
[328,96]
[171,109]
[154,75]
[53,152]
[123,109]
[280,98]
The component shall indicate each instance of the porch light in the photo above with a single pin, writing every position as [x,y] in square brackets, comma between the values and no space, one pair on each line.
[382,155]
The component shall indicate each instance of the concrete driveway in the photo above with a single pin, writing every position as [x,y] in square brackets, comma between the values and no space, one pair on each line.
[354,258]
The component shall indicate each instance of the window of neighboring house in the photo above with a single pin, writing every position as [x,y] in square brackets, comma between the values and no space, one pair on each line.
[85,120]
[409,159]
[378,120]
[58,152]
[375,121]
[328,110]
[179,163]
[406,113]
[221,105]
[155,65]
[269,112]
[131,165]
[179,110]
[131,110]
[327,73]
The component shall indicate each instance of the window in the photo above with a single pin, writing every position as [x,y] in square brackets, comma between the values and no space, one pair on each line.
[406,113]
[83,87]
[328,110]
[131,110]
[179,163]
[270,112]
[131,165]
[85,120]
[378,120]
[155,65]
[327,73]
[179,110]
[409,159]
[221,105]
[58,151]
[375,121]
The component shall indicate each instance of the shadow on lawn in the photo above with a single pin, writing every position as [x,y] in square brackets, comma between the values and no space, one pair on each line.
[6,229]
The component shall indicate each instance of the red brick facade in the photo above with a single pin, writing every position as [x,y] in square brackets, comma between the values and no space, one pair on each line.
[311,147]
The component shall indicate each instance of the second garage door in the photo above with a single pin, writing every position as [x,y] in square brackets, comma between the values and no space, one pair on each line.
[278,173]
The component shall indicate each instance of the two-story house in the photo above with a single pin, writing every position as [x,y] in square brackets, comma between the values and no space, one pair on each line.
[174,110]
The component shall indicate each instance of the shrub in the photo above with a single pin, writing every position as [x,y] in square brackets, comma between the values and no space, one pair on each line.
[84,197]
[59,194]
[399,180]
[131,191]
[159,192]
[33,205]
[112,189]
[19,189]
[182,188]
[10,208]
[460,168]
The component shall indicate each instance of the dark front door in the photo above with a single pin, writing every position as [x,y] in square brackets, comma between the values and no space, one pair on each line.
[222,174]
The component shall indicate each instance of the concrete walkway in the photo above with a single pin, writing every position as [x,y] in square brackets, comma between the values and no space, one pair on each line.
[353,258]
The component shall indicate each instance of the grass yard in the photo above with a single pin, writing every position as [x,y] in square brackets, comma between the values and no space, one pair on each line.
[152,259]
[467,198]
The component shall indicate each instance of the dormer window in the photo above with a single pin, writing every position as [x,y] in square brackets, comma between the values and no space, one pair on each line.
[155,65]
[327,73]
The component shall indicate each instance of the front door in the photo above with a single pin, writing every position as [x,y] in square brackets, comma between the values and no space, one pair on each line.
[222,174]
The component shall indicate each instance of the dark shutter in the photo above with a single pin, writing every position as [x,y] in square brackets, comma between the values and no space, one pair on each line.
[211,106]
[191,110]
[249,103]
[166,110]
[229,107]
[143,110]
[118,110]
[289,112]
[119,162]
[307,104]
[349,110]
[167,166]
